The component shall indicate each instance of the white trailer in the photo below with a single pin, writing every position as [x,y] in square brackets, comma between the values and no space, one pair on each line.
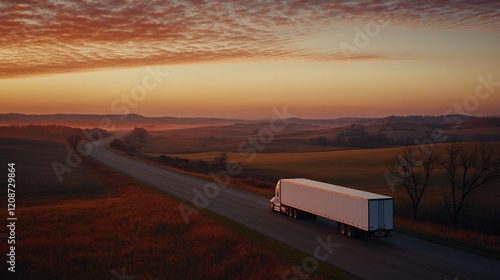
[354,211]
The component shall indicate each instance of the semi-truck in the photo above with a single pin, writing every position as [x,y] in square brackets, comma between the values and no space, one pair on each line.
[356,212]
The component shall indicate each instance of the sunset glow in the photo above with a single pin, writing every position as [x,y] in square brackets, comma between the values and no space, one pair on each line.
[228,59]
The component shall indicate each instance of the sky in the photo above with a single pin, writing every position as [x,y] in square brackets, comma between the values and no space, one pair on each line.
[242,59]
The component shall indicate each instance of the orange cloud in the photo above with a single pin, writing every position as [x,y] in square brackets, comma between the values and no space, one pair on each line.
[61,36]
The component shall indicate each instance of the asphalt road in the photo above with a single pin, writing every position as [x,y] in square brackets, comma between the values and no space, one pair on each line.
[400,257]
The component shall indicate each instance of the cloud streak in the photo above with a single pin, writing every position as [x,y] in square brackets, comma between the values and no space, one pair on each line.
[51,36]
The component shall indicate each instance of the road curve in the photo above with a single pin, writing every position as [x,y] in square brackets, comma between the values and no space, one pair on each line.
[400,257]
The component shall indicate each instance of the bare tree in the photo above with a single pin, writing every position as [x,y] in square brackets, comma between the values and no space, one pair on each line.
[467,171]
[221,159]
[412,170]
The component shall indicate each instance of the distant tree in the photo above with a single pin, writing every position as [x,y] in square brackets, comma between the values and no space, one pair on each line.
[320,141]
[165,159]
[467,171]
[340,139]
[73,141]
[412,170]
[140,135]
[117,144]
[202,164]
[221,159]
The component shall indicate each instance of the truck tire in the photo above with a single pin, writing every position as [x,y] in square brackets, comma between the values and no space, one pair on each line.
[349,231]
[271,206]
[342,229]
[295,213]
[290,212]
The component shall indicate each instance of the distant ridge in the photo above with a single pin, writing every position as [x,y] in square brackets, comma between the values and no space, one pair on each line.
[152,123]
[119,121]
[129,117]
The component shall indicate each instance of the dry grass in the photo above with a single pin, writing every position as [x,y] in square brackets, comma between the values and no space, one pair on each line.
[35,175]
[473,241]
[340,167]
[64,236]
[364,169]
[140,230]
[361,169]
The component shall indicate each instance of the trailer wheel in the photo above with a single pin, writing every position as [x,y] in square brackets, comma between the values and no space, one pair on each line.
[342,229]
[295,213]
[349,231]
[290,212]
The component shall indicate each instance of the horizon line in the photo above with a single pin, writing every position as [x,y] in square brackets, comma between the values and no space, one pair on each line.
[243,119]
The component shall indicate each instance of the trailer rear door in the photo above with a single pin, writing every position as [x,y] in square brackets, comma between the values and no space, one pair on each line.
[381,215]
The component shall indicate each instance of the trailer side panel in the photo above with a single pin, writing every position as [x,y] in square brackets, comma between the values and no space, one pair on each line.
[363,210]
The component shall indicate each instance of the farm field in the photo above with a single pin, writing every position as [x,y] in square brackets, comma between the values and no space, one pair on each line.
[97,224]
[290,156]
[361,169]
[93,197]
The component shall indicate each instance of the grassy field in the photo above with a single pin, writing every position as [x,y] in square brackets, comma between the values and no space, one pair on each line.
[364,169]
[340,167]
[99,224]
[290,156]
[361,169]
[35,175]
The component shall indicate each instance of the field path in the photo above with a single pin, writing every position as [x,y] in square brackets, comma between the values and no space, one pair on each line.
[400,257]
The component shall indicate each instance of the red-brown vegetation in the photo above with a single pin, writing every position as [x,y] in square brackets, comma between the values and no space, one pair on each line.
[130,227]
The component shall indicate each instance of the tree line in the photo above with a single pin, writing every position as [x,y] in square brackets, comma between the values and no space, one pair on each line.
[49,132]
[356,136]
[466,169]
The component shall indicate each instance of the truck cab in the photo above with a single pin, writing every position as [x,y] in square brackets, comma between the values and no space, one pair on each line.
[275,203]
